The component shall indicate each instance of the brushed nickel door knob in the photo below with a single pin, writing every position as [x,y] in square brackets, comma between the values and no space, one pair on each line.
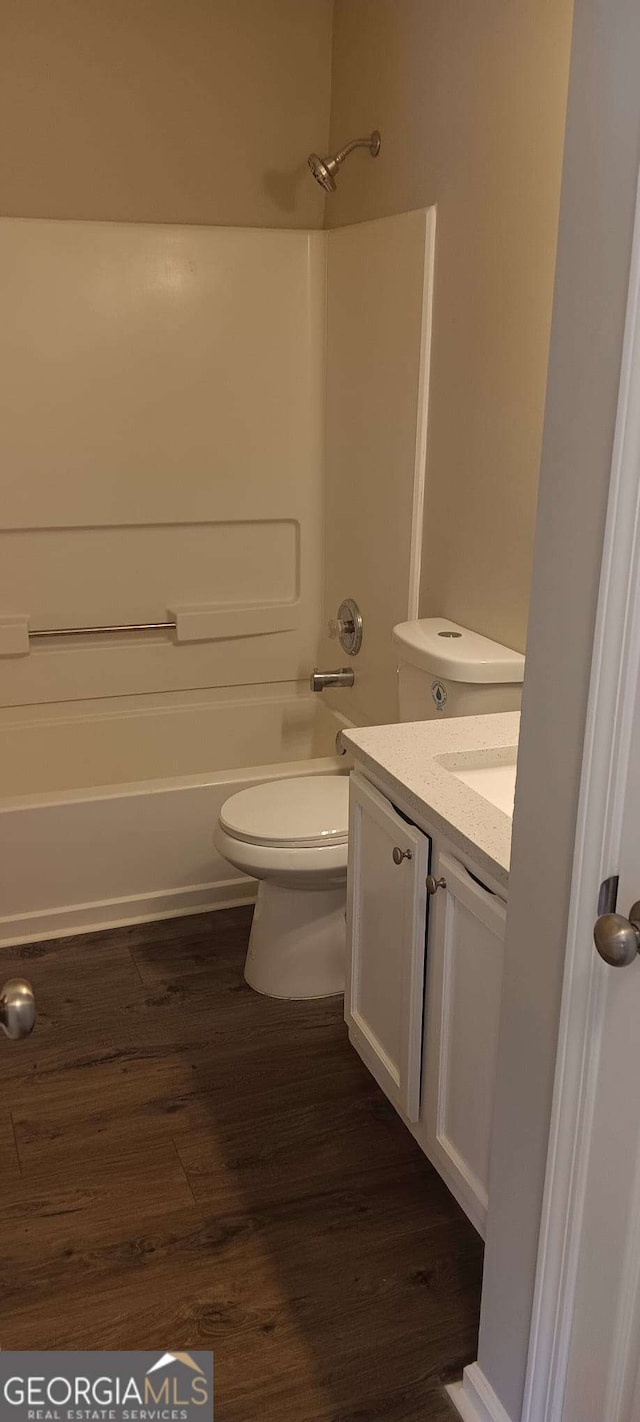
[17,1008]
[617,939]
[400,854]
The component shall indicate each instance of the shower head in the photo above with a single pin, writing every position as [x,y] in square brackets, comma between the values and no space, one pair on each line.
[322,171]
[325,170]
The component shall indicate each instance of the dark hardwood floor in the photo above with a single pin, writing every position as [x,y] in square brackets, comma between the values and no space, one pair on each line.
[185,1164]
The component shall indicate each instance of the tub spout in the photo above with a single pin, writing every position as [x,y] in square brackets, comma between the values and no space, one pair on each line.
[343,677]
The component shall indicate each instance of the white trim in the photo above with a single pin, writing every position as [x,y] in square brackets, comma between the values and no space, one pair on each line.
[616,658]
[623,1372]
[117,913]
[420,466]
[456,1181]
[475,1399]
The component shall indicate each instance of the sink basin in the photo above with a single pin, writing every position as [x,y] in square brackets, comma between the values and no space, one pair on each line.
[491,774]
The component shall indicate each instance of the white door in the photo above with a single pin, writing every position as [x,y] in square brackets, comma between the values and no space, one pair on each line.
[584,1359]
[464,986]
[386,935]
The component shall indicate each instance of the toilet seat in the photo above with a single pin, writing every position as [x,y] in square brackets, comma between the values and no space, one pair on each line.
[305,812]
[291,865]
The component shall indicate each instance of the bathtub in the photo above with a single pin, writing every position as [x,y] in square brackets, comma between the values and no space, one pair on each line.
[107,813]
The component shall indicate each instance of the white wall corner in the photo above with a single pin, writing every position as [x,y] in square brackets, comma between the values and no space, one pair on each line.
[475,1399]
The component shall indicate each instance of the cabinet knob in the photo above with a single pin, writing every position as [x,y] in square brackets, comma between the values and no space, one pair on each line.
[400,854]
[434,884]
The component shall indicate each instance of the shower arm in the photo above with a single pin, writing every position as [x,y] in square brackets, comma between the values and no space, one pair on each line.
[343,153]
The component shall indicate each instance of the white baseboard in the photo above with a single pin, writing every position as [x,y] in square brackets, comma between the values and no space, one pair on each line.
[117,913]
[475,1399]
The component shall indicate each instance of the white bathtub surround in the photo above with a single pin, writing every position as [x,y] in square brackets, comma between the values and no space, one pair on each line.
[292,836]
[178,378]
[107,814]
[172,491]
[440,767]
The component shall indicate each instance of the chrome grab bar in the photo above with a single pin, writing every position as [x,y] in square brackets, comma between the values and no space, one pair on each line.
[202,622]
[93,631]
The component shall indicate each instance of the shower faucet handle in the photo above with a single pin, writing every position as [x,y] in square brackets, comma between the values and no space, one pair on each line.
[337,626]
[347,627]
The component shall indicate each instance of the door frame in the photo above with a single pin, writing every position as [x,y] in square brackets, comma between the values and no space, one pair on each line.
[614,677]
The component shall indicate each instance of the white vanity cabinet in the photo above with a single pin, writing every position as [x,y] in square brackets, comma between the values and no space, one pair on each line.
[422,999]
[462,1010]
[386,928]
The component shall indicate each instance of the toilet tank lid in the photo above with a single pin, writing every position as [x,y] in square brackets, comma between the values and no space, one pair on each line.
[442,648]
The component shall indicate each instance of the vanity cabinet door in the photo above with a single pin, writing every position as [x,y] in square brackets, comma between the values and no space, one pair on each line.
[464,985]
[386,929]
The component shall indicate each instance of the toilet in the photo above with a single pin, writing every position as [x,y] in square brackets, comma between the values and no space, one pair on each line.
[291,835]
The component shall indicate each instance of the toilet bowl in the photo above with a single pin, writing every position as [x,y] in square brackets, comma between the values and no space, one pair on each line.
[291,835]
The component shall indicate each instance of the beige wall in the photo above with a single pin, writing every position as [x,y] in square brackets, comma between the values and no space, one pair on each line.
[470,100]
[198,111]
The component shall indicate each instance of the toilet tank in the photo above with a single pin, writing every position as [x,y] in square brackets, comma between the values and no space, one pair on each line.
[446,670]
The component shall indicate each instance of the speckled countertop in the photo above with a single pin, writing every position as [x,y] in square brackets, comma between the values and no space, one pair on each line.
[407,759]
